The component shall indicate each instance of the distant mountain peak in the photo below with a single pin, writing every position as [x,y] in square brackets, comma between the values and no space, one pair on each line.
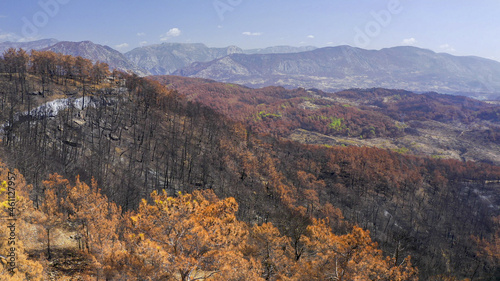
[167,57]
[280,49]
[96,52]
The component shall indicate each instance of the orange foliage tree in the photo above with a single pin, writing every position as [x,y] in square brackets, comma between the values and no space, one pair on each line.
[188,237]
[15,211]
[273,250]
[353,256]
[97,222]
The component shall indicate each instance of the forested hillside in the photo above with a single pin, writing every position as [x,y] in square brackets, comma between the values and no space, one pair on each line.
[439,126]
[151,183]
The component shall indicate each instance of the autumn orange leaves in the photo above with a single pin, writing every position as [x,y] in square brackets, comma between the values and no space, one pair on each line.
[24,268]
[188,236]
[192,236]
[195,236]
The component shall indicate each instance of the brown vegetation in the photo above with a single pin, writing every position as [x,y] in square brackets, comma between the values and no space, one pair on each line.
[287,211]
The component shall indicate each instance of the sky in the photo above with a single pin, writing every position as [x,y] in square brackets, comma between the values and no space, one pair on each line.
[458,27]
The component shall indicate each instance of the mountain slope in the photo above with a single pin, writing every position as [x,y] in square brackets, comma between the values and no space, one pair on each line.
[96,52]
[342,67]
[33,45]
[167,57]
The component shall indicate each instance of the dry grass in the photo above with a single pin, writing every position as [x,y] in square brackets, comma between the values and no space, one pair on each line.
[37,239]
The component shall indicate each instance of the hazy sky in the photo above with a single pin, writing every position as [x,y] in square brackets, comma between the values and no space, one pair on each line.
[459,27]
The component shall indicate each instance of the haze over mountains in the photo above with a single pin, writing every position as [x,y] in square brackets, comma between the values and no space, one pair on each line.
[343,67]
[329,69]
[33,45]
[166,58]
[96,52]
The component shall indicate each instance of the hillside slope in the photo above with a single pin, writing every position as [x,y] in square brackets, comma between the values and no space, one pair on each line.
[430,124]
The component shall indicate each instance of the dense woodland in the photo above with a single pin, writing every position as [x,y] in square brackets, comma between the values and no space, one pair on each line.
[153,186]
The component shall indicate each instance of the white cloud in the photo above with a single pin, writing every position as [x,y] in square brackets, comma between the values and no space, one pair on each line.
[141,34]
[9,36]
[173,32]
[447,48]
[409,41]
[310,36]
[121,46]
[27,39]
[13,37]
[143,43]
[3,16]
[248,33]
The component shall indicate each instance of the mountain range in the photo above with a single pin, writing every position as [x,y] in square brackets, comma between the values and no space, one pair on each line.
[96,52]
[329,69]
[337,68]
[166,58]
[279,50]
